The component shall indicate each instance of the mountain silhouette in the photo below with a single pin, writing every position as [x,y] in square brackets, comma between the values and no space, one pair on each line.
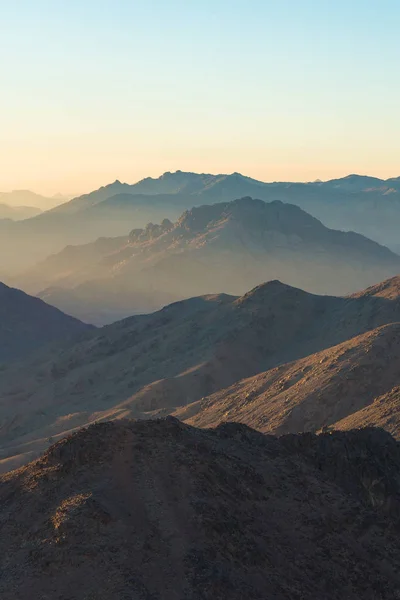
[27,323]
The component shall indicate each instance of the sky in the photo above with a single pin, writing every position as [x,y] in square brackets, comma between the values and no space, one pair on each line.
[97,90]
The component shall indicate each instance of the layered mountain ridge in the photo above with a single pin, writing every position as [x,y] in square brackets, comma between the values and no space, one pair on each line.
[302,351]
[228,247]
[367,205]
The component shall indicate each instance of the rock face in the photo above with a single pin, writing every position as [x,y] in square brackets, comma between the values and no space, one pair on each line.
[161,510]
[150,232]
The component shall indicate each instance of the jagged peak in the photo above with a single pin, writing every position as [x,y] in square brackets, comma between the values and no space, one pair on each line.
[151,231]
[116,183]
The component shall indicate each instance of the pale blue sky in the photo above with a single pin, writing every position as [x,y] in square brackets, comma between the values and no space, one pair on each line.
[97,90]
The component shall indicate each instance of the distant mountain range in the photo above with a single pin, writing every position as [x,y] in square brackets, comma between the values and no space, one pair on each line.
[367,205]
[18,213]
[363,204]
[189,359]
[227,247]
[359,203]
[28,199]
[27,324]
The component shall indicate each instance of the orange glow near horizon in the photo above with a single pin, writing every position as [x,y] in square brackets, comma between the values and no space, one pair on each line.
[50,171]
[179,85]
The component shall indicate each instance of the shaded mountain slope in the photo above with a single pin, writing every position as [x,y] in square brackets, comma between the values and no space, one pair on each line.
[159,509]
[226,247]
[174,357]
[27,323]
[321,389]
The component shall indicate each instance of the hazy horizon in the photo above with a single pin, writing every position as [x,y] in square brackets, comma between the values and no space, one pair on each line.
[119,90]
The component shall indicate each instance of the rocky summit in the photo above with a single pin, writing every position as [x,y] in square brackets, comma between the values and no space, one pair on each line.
[158,509]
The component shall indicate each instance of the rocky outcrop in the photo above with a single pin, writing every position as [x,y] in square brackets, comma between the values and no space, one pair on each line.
[150,232]
[161,510]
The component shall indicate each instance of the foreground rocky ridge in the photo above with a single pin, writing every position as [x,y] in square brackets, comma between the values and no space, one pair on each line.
[158,509]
